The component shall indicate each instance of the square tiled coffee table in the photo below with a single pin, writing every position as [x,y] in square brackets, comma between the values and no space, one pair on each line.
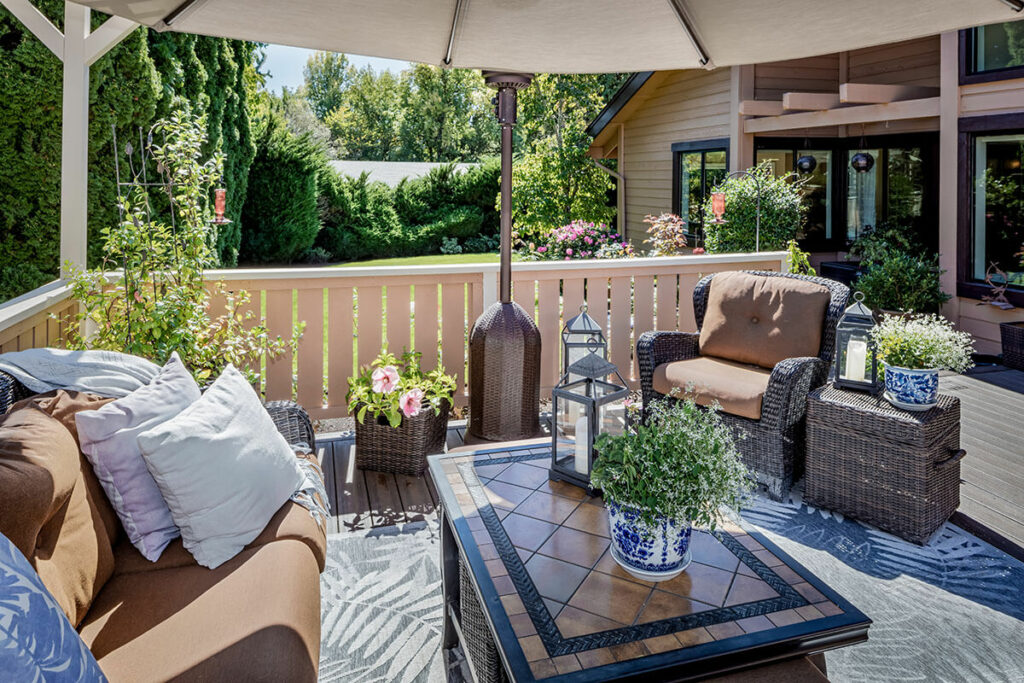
[540,596]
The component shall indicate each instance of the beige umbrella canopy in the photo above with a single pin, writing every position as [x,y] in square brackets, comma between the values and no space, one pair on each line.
[569,36]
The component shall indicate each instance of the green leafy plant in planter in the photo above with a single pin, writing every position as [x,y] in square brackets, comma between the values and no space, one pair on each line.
[877,244]
[391,387]
[798,260]
[781,213]
[903,282]
[913,349]
[149,296]
[675,470]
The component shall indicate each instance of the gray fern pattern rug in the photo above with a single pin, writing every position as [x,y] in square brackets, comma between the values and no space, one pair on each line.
[381,606]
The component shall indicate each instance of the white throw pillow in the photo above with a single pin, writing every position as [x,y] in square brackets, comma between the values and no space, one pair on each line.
[109,439]
[223,469]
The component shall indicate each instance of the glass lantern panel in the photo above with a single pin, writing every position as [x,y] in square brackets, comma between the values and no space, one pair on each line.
[595,389]
[612,418]
[854,356]
[572,436]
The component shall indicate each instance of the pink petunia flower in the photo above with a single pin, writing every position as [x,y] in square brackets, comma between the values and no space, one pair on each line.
[385,380]
[411,402]
[698,250]
[542,249]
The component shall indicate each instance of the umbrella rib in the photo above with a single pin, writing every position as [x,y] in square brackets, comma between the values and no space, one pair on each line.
[451,36]
[679,7]
[1015,5]
[182,11]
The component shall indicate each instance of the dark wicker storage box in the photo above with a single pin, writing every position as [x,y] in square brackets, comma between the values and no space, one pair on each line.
[1012,335]
[402,449]
[895,469]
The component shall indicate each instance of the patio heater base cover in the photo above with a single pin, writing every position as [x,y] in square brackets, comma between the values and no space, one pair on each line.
[504,374]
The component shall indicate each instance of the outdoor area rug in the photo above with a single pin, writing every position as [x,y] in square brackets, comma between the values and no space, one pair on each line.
[949,611]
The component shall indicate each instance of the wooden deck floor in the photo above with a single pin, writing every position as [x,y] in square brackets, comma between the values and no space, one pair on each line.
[991,494]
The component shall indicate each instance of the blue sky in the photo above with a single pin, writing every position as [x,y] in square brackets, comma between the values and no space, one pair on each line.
[285,65]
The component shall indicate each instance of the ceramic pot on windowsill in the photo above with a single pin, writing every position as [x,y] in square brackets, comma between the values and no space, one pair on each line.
[910,389]
[657,553]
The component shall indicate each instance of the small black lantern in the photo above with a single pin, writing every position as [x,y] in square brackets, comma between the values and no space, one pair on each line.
[582,336]
[582,409]
[862,162]
[856,363]
[806,164]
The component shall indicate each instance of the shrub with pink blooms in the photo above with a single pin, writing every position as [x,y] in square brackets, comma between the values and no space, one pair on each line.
[582,240]
[393,388]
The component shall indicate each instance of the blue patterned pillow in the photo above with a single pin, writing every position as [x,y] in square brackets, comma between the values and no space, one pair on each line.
[37,642]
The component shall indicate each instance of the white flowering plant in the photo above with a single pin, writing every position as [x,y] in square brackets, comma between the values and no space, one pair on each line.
[393,387]
[681,463]
[922,342]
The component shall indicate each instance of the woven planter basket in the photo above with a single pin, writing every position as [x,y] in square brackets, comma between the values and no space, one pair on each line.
[1012,335]
[402,449]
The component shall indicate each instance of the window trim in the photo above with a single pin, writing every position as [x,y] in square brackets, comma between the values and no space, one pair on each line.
[969,129]
[678,148]
[967,76]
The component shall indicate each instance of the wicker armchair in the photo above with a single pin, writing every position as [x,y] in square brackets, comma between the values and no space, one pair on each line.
[772,447]
[289,417]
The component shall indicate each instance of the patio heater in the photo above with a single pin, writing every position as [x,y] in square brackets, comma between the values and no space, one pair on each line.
[504,345]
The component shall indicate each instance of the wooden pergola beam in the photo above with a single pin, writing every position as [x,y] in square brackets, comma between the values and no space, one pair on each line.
[760,108]
[869,113]
[809,101]
[875,93]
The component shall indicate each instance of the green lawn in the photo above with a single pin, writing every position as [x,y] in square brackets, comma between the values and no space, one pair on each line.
[429,260]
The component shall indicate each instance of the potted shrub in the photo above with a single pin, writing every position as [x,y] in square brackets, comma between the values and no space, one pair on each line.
[903,282]
[674,471]
[913,349]
[401,413]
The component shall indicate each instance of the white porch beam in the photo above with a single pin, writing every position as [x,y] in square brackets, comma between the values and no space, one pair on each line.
[809,101]
[760,108]
[874,93]
[74,143]
[37,23]
[103,39]
[869,113]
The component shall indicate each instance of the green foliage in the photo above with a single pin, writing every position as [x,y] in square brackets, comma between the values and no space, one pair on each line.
[923,342]
[798,260]
[903,282]
[326,75]
[680,463]
[875,245]
[667,234]
[158,302]
[781,215]
[390,388]
[358,217]
[446,115]
[281,214]
[365,125]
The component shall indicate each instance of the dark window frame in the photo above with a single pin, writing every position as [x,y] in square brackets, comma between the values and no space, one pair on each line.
[968,130]
[967,73]
[703,146]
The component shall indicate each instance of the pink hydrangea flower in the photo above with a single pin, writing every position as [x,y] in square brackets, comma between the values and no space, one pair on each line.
[385,380]
[542,249]
[698,250]
[411,402]
[569,251]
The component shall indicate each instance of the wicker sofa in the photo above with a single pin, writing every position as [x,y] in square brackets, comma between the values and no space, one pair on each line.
[763,402]
[255,618]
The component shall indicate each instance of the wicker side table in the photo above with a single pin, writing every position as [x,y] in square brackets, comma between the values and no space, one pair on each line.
[895,469]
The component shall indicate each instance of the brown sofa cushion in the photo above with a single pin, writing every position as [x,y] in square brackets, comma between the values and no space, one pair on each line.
[48,509]
[738,388]
[762,320]
[254,618]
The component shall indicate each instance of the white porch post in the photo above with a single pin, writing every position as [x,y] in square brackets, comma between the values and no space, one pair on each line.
[78,49]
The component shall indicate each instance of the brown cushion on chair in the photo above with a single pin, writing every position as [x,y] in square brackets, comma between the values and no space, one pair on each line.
[762,320]
[254,618]
[48,510]
[738,388]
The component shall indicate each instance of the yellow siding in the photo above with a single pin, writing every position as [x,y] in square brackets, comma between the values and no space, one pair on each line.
[686,105]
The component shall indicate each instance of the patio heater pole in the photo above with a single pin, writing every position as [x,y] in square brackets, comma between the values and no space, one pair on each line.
[504,344]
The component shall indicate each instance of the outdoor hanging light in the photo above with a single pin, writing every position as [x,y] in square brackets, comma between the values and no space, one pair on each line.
[806,163]
[862,162]
[856,360]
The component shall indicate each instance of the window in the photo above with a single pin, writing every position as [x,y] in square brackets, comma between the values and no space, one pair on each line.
[997,221]
[817,189]
[697,168]
[995,47]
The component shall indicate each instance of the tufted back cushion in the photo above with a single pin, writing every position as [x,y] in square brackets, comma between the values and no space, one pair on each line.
[51,506]
[762,320]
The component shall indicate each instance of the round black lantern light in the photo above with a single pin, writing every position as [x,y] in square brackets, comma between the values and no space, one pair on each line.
[806,164]
[856,361]
[862,162]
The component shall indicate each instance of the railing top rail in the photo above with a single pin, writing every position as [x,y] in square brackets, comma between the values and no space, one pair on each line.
[631,264]
[33,302]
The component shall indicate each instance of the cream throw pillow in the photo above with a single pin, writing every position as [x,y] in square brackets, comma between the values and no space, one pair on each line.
[223,469]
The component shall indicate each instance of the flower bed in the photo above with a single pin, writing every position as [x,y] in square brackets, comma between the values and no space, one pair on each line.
[580,240]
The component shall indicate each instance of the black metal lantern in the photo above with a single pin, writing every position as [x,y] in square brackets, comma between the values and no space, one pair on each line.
[582,336]
[806,164]
[862,162]
[856,362]
[582,409]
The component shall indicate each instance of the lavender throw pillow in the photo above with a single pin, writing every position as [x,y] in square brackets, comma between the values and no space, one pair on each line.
[109,439]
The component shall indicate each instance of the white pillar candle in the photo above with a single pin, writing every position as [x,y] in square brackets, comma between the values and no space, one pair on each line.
[856,357]
[582,463]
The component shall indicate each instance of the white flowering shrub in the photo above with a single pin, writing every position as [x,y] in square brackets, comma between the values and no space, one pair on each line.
[681,463]
[923,342]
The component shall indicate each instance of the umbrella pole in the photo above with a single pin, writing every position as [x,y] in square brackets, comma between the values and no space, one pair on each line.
[505,274]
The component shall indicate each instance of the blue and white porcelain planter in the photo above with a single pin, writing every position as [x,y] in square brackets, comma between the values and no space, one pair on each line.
[651,554]
[908,389]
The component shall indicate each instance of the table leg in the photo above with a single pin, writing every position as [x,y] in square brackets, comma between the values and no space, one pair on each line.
[449,581]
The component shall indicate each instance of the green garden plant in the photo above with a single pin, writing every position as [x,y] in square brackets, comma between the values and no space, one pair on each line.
[391,387]
[923,342]
[149,296]
[781,213]
[798,260]
[903,282]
